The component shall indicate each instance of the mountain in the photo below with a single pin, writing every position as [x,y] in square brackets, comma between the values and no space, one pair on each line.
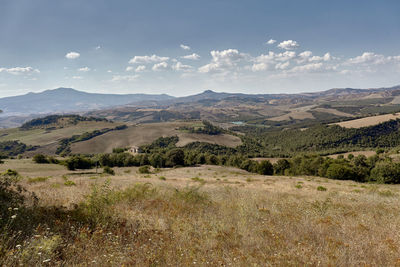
[69,100]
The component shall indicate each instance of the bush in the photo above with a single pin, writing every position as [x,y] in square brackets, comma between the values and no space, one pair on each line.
[108,170]
[144,169]
[78,162]
[69,183]
[321,188]
[386,172]
[281,166]
[40,158]
[265,168]
[175,157]
[340,171]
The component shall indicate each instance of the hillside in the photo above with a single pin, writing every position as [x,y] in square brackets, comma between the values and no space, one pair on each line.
[270,110]
[68,100]
[267,110]
[206,215]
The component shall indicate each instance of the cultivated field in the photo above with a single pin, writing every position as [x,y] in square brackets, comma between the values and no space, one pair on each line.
[145,134]
[43,137]
[368,121]
[206,215]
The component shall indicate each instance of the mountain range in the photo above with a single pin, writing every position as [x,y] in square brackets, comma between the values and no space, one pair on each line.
[210,105]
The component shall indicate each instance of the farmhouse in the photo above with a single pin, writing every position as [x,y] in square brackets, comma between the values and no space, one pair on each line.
[134,150]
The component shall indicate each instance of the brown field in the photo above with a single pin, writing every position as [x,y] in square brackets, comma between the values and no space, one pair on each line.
[209,215]
[355,153]
[297,115]
[272,160]
[42,137]
[368,121]
[334,112]
[146,133]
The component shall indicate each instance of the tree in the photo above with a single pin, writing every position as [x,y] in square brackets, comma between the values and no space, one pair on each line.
[175,157]
[265,168]
[386,172]
[281,166]
[340,171]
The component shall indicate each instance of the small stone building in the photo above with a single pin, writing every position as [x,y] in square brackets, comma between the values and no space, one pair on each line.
[134,150]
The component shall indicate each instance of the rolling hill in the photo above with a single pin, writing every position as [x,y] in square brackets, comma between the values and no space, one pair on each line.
[68,100]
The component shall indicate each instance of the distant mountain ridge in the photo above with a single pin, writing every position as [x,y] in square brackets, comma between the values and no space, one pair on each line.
[68,100]
[210,105]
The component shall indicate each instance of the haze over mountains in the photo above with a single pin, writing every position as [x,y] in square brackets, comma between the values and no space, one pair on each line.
[210,105]
[68,100]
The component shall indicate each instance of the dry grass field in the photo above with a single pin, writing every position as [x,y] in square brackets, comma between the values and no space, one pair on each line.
[145,134]
[367,153]
[43,137]
[368,121]
[207,215]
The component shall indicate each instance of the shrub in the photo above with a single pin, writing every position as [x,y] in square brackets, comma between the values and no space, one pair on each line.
[108,170]
[340,171]
[281,166]
[386,172]
[192,195]
[40,158]
[119,150]
[144,169]
[175,157]
[78,162]
[69,183]
[321,188]
[37,180]
[265,168]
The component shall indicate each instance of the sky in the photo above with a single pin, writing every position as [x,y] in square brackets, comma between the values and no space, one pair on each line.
[183,47]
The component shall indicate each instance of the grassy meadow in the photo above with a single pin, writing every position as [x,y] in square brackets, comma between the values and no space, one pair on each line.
[198,216]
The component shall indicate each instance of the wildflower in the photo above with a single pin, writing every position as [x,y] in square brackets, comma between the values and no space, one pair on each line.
[18,246]
[15,208]
[14,216]
[46,260]
[39,253]
[9,208]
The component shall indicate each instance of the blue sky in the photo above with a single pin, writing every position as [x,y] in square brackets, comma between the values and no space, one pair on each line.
[185,47]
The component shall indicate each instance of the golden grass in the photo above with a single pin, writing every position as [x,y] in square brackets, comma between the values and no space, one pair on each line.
[367,153]
[43,137]
[146,133]
[368,121]
[233,218]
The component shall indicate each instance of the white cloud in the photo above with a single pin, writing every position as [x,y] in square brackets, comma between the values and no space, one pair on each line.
[312,67]
[77,77]
[223,60]
[147,59]
[160,66]
[193,56]
[282,66]
[72,55]
[271,41]
[259,67]
[109,71]
[126,78]
[369,58]
[181,67]
[20,70]
[84,69]
[185,47]
[140,68]
[288,45]
[98,47]
[129,68]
